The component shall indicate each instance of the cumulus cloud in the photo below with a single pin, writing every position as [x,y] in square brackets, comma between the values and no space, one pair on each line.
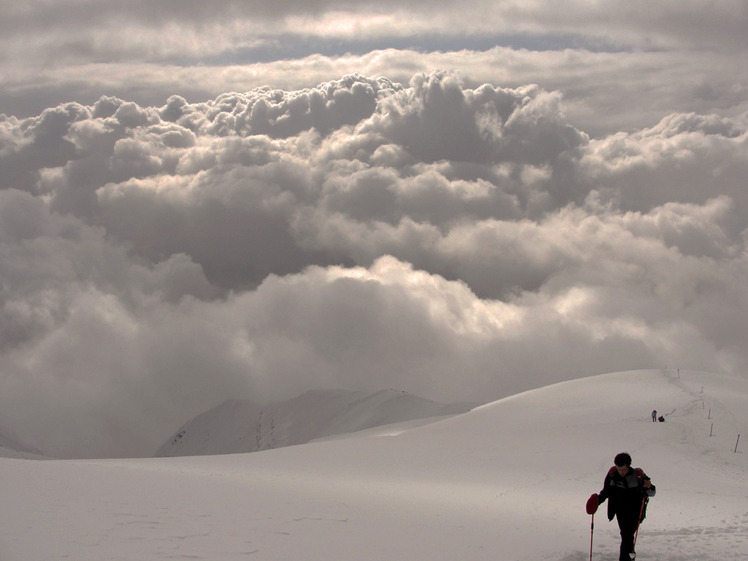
[619,67]
[459,241]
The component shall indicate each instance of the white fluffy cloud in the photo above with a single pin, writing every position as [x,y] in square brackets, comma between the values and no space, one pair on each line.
[459,242]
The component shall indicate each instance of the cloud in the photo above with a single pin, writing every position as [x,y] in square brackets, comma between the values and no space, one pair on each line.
[437,119]
[460,242]
[700,23]
[618,67]
[685,157]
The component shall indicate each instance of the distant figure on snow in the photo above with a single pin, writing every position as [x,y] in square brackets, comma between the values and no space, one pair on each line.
[661,419]
[627,490]
[654,415]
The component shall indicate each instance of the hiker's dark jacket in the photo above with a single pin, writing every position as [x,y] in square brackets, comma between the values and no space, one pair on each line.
[625,494]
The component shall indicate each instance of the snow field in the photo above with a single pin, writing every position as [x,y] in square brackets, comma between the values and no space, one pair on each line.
[505,481]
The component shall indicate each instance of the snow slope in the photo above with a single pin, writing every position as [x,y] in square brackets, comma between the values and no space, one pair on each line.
[505,481]
[11,448]
[241,426]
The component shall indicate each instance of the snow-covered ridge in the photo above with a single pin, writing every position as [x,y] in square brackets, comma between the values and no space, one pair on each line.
[11,448]
[505,481]
[242,426]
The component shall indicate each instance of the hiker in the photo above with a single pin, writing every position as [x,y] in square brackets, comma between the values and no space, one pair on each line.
[627,490]
[661,419]
[654,415]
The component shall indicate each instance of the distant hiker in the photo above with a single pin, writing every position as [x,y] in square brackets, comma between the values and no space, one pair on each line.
[654,415]
[629,490]
[661,419]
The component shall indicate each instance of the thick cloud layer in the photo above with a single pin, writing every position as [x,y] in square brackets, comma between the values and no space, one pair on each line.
[667,23]
[619,66]
[458,242]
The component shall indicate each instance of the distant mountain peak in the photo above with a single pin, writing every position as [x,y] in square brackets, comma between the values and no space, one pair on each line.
[237,426]
[10,447]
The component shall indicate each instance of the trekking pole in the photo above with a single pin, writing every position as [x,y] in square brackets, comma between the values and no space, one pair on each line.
[638,523]
[591,508]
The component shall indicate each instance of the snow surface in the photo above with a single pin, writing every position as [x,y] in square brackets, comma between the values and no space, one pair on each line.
[505,481]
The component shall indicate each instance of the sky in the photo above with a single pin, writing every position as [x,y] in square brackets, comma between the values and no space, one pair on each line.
[459,200]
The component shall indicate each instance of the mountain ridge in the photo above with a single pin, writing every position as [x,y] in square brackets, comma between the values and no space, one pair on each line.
[240,426]
[10,447]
